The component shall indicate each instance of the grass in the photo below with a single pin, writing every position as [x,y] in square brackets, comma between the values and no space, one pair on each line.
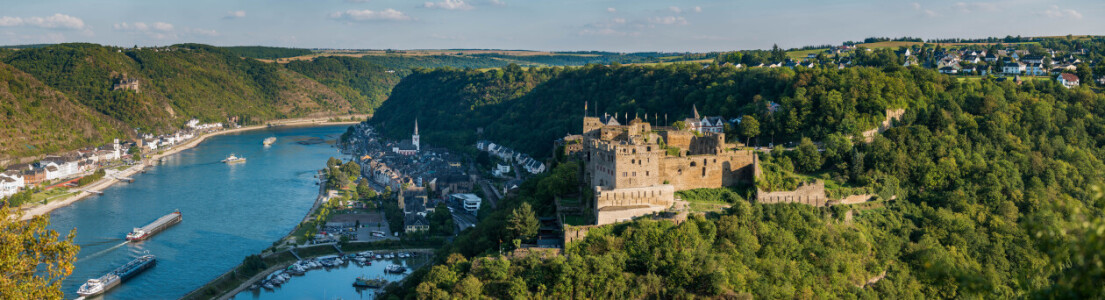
[802,54]
[49,195]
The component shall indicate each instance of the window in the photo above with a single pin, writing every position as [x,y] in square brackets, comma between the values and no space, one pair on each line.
[692,164]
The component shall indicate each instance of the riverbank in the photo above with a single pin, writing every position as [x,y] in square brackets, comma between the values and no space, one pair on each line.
[41,209]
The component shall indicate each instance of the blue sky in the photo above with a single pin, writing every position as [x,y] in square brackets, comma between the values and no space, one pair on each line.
[612,25]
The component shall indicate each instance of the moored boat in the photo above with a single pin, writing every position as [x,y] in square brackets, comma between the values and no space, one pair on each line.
[268,141]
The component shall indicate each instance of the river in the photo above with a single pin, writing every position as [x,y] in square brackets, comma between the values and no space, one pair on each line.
[229,211]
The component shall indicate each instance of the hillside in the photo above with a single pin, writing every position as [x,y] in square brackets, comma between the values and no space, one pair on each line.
[528,109]
[35,118]
[995,188]
[174,84]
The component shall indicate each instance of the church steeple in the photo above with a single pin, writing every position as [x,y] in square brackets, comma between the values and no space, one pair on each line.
[414,138]
[696,117]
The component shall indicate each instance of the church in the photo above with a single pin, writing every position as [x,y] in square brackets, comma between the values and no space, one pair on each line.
[411,146]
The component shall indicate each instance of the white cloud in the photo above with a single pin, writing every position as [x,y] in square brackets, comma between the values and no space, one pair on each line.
[449,5]
[58,21]
[975,7]
[606,32]
[675,9]
[162,26]
[371,15]
[237,14]
[619,20]
[1055,12]
[357,1]
[141,26]
[669,20]
[611,10]
[927,12]
[697,9]
[497,3]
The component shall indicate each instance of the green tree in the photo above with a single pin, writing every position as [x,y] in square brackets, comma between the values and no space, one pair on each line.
[808,158]
[749,127]
[34,260]
[523,222]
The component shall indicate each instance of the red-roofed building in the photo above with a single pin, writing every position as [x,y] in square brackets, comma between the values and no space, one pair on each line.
[1068,80]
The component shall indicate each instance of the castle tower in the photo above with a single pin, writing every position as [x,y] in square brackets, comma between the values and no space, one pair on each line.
[414,137]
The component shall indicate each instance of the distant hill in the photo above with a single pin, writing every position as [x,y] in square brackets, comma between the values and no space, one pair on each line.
[174,84]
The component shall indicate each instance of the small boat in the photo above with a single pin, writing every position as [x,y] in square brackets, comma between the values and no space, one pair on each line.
[268,141]
[370,283]
[232,159]
[395,269]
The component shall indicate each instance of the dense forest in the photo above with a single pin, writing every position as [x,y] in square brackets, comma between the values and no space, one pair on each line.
[997,185]
[528,109]
[266,52]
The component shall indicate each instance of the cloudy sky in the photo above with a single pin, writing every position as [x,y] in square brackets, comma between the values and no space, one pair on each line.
[613,25]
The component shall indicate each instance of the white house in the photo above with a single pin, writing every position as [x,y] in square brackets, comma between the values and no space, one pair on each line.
[1068,80]
[10,183]
[1013,68]
[500,169]
[949,70]
[1035,70]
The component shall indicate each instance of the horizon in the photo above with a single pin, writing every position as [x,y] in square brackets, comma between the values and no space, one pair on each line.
[566,26]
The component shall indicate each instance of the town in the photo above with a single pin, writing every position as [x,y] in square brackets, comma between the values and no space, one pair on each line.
[1015,60]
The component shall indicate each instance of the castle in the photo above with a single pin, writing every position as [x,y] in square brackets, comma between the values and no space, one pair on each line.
[636,169]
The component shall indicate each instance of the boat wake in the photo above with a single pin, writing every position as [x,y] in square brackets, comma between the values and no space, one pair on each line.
[101,252]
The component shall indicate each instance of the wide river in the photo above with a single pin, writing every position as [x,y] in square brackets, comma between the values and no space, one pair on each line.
[230,211]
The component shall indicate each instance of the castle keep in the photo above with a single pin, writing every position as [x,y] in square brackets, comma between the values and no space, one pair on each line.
[635,169]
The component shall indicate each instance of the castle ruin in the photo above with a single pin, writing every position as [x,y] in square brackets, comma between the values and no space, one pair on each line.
[636,169]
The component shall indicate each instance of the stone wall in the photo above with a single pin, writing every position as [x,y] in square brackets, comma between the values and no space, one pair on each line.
[809,194]
[708,171]
[611,215]
[660,195]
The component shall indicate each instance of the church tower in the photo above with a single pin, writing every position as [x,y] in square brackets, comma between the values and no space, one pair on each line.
[414,137]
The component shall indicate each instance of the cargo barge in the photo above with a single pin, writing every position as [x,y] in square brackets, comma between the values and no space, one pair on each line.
[96,286]
[153,228]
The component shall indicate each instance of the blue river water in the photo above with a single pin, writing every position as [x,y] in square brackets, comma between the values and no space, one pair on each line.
[229,211]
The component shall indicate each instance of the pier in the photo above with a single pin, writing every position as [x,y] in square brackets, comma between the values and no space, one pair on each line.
[93,192]
[127,179]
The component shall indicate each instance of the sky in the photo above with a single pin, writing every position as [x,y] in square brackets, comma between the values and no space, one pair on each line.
[551,25]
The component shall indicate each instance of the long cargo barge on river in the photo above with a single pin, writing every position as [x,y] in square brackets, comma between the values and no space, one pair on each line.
[153,228]
[96,286]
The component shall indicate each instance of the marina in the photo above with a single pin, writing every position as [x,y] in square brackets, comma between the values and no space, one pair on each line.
[224,224]
[352,276]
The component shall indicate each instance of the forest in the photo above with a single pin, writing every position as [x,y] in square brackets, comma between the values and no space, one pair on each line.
[528,109]
[263,52]
[996,187]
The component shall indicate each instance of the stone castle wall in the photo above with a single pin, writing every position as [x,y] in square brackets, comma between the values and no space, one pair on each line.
[809,194]
[707,171]
[660,195]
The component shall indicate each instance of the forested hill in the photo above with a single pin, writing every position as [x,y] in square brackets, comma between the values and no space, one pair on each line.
[175,83]
[992,189]
[528,109]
